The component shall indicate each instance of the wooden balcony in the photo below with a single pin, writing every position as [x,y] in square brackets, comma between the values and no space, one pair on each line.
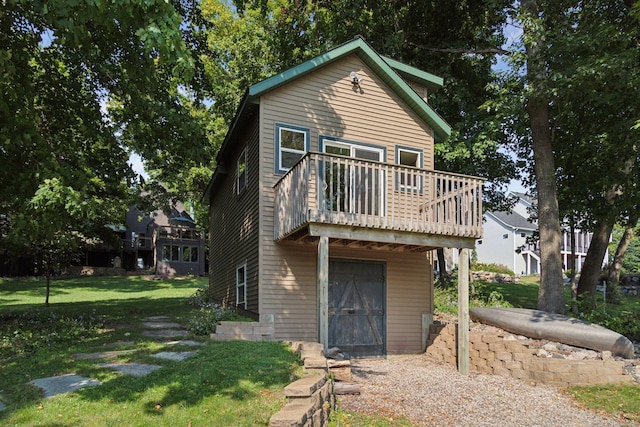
[352,199]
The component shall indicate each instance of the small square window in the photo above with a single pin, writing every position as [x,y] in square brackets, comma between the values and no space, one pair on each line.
[505,236]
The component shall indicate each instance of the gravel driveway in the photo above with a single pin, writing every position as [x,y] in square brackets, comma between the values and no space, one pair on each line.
[437,395]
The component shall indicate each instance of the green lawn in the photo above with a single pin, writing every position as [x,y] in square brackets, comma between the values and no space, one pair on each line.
[238,383]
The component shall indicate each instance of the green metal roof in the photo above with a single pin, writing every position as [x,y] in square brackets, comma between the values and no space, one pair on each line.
[387,69]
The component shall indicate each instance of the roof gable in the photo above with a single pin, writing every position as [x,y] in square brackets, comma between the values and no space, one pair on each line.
[512,220]
[389,70]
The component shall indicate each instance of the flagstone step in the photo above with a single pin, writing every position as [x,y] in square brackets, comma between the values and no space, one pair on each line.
[102,354]
[53,386]
[135,369]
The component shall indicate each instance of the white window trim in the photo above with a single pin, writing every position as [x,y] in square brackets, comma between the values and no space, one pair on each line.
[238,285]
[279,149]
[408,187]
[243,156]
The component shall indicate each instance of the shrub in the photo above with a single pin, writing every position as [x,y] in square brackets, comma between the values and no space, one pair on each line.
[625,323]
[210,314]
[446,298]
[492,268]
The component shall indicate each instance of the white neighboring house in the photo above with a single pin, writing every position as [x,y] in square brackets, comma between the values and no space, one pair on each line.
[505,240]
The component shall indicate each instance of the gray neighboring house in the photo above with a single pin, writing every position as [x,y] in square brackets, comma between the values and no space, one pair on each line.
[507,240]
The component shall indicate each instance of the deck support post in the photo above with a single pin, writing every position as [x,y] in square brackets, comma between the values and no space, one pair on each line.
[323,291]
[463,311]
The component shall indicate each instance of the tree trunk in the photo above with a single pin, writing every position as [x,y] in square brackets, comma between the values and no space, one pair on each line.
[590,273]
[613,276]
[551,294]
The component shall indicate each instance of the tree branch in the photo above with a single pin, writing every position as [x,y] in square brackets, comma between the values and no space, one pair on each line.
[492,50]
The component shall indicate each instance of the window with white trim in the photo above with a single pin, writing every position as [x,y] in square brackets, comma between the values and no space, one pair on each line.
[292,143]
[241,285]
[241,171]
[409,180]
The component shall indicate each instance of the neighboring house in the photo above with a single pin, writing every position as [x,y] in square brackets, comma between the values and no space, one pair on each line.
[325,207]
[165,243]
[508,240]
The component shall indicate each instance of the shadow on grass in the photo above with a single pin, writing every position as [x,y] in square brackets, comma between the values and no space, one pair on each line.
[236,371]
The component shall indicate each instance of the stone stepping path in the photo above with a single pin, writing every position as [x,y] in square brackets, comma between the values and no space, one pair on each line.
[184,342]
[102,354]
[176,356]
[53,386]
[161,325]
[165,333]
[155,327]
[135,369]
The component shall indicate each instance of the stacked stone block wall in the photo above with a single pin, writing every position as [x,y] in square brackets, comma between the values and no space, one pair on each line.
[311,398]
[490,353]
[309,402]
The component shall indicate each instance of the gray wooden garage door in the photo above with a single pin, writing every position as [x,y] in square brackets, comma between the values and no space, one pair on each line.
[357,307]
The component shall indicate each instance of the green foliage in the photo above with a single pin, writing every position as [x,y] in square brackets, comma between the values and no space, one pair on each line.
[491,268]
[631,260]
[204,321]
[621,401]
[482,295]
[623,322]
[22,334]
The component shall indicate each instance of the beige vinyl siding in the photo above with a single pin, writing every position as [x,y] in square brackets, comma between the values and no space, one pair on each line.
[419,89]
[233,240]
[325,103]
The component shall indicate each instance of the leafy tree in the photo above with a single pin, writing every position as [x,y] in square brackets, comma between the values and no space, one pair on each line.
[65,171]
[577,69]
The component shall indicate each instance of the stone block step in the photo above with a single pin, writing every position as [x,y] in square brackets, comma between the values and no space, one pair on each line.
[245,328]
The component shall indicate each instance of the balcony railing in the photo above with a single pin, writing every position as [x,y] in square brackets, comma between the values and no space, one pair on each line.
[325,188]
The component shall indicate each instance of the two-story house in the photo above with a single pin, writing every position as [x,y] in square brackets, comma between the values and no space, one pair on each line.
[164,243]
[509,240]
[325,207]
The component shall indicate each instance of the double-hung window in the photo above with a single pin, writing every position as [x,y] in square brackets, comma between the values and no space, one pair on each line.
[292,143]
[241,286]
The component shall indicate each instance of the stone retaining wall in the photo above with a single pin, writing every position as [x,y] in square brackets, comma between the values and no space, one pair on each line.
[311,398]
[309,402]
[490,353]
